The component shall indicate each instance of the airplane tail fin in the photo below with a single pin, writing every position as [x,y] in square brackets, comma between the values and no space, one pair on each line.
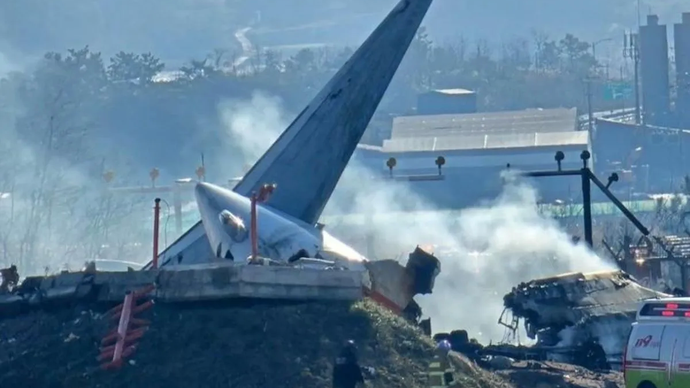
[308,159]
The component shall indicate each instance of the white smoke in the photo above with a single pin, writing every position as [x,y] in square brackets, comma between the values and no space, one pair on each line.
[485,251]
[6,66]
[252,126]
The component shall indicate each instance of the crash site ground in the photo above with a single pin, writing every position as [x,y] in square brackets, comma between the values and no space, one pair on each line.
[251,346]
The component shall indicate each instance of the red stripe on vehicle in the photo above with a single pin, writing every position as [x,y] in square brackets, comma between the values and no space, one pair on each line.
[646,365]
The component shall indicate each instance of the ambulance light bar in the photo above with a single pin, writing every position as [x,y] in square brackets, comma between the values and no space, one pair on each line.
[666,310]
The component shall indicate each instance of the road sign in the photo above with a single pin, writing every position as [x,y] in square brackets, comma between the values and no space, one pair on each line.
[618,90]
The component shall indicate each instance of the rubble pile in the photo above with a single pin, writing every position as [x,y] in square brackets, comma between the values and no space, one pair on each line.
[579,318]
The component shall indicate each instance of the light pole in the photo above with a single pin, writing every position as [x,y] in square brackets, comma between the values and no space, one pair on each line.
[594,47]
[631,50]
[588,83]
[587,177]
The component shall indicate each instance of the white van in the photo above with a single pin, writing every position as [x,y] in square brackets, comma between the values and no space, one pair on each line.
[658,349]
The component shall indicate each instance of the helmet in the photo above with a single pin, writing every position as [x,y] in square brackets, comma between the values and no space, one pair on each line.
[443,345]
[349,350]
[350,345]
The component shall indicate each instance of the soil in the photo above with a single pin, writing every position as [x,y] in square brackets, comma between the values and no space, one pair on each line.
[259,345]
[249,346]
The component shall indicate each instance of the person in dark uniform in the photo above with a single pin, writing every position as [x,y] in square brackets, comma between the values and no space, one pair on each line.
[346,370]
[9,278]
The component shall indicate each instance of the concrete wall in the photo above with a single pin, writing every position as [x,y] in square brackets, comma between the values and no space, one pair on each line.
[188,284]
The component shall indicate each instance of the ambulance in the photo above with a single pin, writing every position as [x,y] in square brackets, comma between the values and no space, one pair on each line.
[658,350]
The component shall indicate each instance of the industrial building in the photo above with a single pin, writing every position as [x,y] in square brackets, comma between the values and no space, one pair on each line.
[447,101]
[681,32]
[477,148]
[657,157]
[654,69]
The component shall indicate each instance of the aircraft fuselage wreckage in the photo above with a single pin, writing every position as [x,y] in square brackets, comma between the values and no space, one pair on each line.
[305,164]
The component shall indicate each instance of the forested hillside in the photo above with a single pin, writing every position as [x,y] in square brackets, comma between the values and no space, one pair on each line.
[180,29]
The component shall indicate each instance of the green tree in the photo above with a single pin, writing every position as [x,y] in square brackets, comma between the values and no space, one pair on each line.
[199,69]
[134,67]
[577,55]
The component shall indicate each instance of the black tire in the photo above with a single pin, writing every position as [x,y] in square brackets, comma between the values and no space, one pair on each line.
[646,384]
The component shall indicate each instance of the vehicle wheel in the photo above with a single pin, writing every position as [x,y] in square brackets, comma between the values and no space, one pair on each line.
[646,384]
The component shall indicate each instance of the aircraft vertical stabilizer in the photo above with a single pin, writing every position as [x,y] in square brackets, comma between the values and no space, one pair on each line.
[309,157]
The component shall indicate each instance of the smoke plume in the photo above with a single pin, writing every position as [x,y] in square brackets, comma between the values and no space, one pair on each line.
[484,251]
[252,126]
[55,210]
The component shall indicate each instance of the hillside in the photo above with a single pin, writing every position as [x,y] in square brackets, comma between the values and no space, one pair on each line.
[257,346]
[214,345]
[178,30]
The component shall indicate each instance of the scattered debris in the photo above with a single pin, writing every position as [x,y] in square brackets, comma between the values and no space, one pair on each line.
[579,318]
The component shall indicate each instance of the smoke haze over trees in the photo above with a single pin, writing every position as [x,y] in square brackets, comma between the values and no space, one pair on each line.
[74,121]
[178,29]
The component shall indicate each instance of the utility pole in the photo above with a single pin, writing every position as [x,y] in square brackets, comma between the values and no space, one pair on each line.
[594,47]
[632,50]
[590,119]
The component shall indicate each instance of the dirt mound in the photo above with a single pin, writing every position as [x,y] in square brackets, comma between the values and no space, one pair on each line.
[264,345]
[248,346]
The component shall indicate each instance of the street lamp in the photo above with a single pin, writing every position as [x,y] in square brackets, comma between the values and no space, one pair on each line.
[631,50]
[595,44]
[391,163]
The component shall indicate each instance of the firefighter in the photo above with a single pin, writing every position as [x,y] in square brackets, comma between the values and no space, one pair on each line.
[346,370]
[10,278]
[440,372]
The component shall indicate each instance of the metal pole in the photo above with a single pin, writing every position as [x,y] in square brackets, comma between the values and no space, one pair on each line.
[156,224]
[177,204]
[638,114]
[122,326]
[587,205]
[627,255]
[619,205]
[590,122]
[253,232]
[634,42]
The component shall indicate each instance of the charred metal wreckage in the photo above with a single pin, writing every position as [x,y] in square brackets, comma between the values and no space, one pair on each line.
[579,318]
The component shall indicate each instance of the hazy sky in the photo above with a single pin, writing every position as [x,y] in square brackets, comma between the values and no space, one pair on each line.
[182,29]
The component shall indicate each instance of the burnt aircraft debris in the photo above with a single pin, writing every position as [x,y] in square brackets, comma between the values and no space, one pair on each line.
[578,318]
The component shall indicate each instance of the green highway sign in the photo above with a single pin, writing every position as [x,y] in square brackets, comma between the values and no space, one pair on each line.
[618,90]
